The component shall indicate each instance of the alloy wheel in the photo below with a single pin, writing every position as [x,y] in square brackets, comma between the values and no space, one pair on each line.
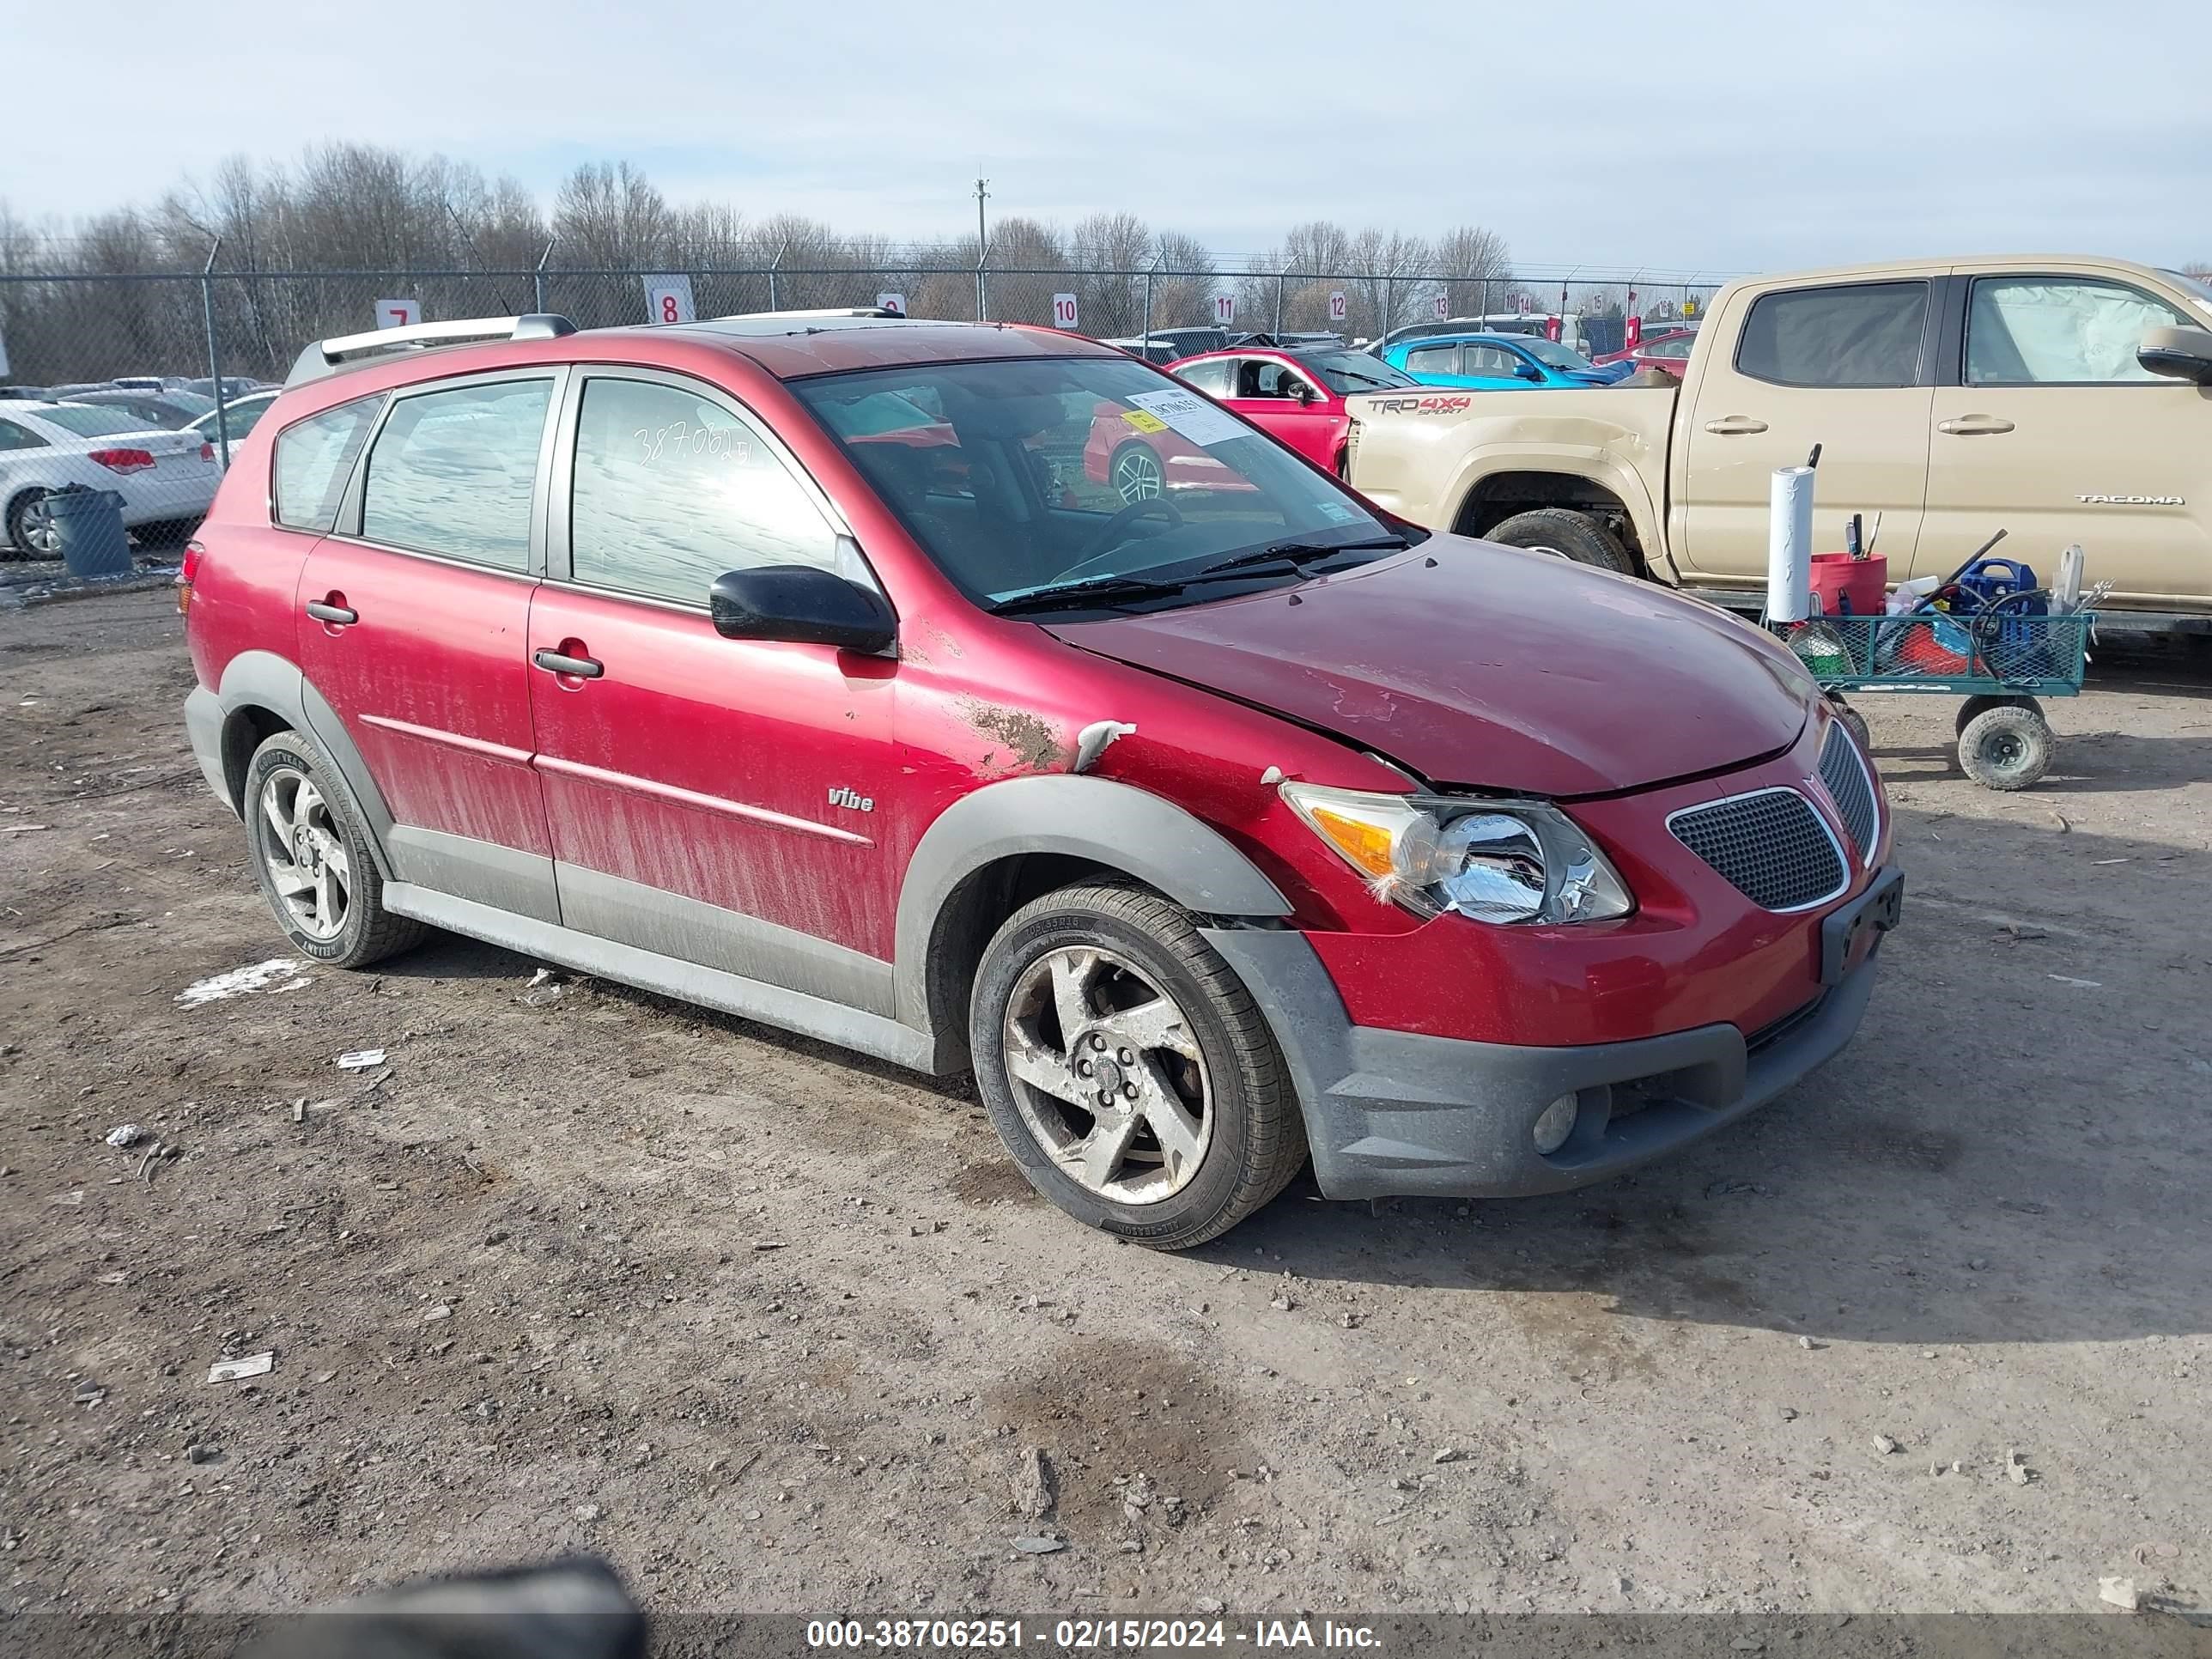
[1137,475]
[1107,1074]
[304,853]
[40,531]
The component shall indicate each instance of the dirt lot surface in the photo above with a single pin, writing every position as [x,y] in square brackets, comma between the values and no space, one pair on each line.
[775,1329]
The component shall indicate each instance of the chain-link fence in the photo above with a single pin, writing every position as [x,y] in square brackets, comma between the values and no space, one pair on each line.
[189,345]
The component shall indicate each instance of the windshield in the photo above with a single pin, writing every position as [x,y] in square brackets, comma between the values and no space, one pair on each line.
[1344,372]
[1552,352]
[1020,475]
[93,420]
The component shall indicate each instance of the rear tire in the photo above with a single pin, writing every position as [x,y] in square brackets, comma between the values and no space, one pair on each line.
[1135,474]
[1973,708]
[1566,534]
[31,533]
[2006,748]
[1196,1125]
[312,856]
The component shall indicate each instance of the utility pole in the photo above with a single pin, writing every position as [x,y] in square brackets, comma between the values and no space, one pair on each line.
[983,248]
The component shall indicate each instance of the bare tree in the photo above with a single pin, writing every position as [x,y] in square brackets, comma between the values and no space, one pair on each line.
[1182,297]
[1390,272]
[1476,269]
[1107,250]
[608,216]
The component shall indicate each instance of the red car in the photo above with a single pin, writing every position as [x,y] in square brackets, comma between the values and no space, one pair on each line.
[1294,394]
[1214,831]
[1669,351]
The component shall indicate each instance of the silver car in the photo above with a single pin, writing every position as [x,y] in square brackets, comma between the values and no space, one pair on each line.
[164,478]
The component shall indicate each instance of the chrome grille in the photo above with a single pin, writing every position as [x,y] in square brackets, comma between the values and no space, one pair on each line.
[1771,846]
[1844,771]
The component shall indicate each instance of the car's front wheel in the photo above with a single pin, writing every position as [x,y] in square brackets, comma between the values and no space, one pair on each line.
[1565,534]
[32,533]
[1135,473]
[1128,1070]
[312,857]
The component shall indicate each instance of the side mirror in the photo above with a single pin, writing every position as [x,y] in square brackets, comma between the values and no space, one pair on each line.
[802,605]
[2185,353]
[1307,394]
[1529,372]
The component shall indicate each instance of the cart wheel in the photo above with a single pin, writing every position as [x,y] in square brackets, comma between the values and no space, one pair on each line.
[1855,721]
[1974,706]
[2006,747]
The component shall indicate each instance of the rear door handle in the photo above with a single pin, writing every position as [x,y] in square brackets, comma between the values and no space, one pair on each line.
[1968,426]
[337,615]
[554,662]
[1735,426]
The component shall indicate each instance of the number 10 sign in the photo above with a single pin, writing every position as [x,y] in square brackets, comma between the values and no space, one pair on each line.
[1064,310]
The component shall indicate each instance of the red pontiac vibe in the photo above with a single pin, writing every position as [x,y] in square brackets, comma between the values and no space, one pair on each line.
[798,667]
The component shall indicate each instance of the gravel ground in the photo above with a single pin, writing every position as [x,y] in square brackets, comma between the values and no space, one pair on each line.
[774,1328]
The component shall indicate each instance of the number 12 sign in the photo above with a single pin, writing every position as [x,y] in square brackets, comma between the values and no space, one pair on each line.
[668,299]
[398,313]
[1064,310]
[1337,306]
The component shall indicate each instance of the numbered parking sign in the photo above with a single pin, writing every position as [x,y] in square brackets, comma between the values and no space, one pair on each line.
[1224,309]
[892,302]
[668,299]
[1338,307]
[398,314]
[1064,310]
[1443,307]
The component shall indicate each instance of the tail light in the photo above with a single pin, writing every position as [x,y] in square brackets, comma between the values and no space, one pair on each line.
[206,452]
[123,460]
[186,573]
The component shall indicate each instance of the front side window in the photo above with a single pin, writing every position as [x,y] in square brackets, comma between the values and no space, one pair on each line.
[1492,360]
[314,458]
[452,473]
[1045,473]
[1263,377]
[2059,331]
[1864,334]
[671,489]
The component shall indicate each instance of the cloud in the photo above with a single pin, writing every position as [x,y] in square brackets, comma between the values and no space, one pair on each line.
[1731,137]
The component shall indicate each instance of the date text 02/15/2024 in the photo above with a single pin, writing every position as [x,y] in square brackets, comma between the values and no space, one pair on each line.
[1080,1635]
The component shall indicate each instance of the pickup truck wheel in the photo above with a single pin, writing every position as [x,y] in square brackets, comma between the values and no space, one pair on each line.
[1565,534]
[1128,1070]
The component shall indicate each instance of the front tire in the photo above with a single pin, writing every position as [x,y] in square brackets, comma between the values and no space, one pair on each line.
[31,530]
[2007,747]
[312,856]
[1565,534]
[1134,473]
[1127,1069]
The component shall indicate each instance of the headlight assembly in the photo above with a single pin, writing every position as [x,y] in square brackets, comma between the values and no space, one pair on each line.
[1495,861]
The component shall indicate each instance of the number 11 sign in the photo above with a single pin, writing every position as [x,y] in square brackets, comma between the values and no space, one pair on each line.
[1224,309]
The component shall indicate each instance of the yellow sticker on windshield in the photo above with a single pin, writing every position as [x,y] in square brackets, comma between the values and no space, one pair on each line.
[1144,421]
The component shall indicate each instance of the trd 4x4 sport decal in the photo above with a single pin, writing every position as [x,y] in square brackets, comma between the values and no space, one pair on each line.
[1418,405]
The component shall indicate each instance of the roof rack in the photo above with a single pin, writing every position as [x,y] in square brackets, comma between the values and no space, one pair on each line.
[326,357]
[801,322]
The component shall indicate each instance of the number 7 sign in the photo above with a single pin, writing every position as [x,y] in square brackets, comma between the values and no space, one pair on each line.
[398,314]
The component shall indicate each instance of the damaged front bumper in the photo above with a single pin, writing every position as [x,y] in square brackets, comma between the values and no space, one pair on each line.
[1390,1113]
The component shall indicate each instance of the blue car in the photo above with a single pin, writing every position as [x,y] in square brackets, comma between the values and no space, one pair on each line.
[1496,362]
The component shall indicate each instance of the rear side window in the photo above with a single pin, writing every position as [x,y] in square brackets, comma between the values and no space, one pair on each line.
[1867,334]
[19,437]
[314,458]
[1433,360]
[671,489]
[1211,378]
[452,473]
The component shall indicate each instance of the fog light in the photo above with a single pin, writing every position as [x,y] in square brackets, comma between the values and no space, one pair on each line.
[1556,1125]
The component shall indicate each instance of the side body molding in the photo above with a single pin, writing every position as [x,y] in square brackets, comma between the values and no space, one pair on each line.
[1117,824]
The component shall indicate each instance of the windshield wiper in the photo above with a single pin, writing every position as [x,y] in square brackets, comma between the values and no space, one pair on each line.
[1294,552]
[1095,587]
[1287,556]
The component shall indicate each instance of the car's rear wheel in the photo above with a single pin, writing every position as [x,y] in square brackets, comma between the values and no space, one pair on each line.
[1135,473]
[312,857]
[31,530]
[1128,1070]
[1565,534]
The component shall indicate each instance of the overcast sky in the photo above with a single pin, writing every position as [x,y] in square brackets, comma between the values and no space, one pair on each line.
[1730,136]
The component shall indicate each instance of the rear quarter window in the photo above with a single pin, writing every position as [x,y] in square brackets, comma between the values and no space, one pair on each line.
[314,458]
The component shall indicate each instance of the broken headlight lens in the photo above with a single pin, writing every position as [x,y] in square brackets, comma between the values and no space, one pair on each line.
[1495,861]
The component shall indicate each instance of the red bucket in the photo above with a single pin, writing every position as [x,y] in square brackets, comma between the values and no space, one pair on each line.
[1850,586]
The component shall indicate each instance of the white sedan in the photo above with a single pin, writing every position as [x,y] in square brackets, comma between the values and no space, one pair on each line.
[164,478]
[239,415]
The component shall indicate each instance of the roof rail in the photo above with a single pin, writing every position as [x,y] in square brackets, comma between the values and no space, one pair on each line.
[326,357]
[817,311]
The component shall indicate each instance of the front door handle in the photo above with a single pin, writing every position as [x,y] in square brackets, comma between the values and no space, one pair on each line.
[338,616]
[1969,426]
[557,662]
[1735,426]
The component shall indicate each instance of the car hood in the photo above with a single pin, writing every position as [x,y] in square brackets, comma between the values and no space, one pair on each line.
[1488,666]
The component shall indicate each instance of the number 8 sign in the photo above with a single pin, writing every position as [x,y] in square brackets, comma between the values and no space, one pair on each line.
[668,299]
[1064,312]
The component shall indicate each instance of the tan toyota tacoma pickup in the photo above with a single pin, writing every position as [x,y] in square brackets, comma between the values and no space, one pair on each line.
[2064,400]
